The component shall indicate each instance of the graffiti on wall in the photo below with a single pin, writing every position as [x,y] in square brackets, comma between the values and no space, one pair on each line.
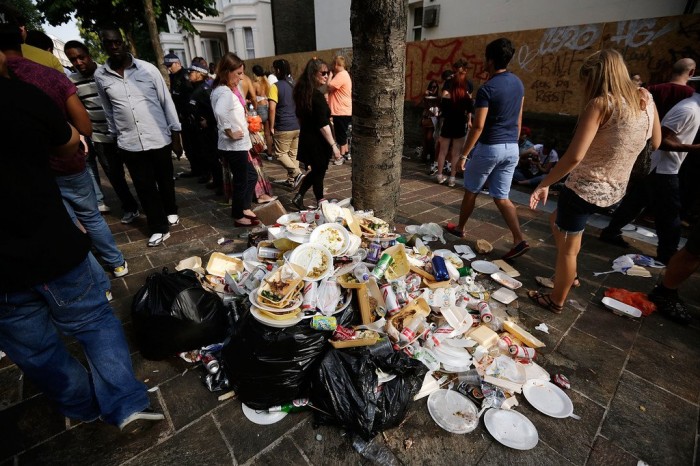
[548,60]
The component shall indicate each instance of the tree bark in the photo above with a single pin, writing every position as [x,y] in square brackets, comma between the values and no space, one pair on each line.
[379,67]
[150,16]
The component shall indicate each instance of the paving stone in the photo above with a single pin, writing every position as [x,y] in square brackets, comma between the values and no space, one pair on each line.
[639,416]
[429,438]
[174,253]
[615,330]
[558,433]
[561,321]
[592,366]
[26,423]
[247,438]
[606,453]
[10,386]
[676,371]
[187,398]
[200,443]
[550,339]
[285,452]
[335,447]
[679,337]
[541,455]
[154,373]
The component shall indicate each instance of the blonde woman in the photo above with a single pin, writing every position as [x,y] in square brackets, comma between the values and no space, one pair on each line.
[614,125]
[262,90]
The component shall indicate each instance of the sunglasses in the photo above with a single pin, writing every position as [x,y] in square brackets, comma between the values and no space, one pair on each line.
[324,73]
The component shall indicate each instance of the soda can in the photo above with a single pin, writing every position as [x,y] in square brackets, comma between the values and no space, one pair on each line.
[440,269]
[375,250]
[310,296]
[561,380]
[324,323]
[523,352]
[210,363]
[342,333]
[390,300]
[413,282]
[384,262]
[265,252]
[485,312]
[399,287]
[307,216]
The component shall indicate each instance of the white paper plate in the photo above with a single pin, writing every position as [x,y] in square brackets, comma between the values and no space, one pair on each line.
[333,236]
[312,257]
[263,319]
[511,428]
[506,280]
[262,418]
[534,371]
[291,217]
[547,398]
[453,411]
[299,229]
[620,308]
[504,295]
[485,267]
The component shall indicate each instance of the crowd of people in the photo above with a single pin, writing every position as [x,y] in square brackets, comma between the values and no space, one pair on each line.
[122,113]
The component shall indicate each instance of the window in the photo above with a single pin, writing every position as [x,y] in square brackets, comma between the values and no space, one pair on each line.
[249,45]
[417,23]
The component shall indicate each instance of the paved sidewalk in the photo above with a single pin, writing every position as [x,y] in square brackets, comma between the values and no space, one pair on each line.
[635,384]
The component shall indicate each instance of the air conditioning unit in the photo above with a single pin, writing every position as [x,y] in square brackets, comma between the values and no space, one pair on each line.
[431,16]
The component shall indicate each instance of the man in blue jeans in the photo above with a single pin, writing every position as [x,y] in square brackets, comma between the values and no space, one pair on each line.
[496,128]
[48,282]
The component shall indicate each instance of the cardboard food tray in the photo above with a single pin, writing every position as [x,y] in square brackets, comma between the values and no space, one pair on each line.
[293,286]
[220,263]
[270,212]
[343,281]
[354,343]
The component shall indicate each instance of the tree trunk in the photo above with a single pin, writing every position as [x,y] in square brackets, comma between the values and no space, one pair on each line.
[129,33]
[150,16]
[379,67]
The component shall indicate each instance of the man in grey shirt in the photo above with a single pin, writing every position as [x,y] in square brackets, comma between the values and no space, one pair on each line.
[142,116]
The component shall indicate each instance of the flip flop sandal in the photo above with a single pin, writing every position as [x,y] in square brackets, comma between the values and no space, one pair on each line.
[544,301]
[451,228]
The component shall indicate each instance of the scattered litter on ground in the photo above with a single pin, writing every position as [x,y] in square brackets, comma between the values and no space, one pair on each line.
[542,328]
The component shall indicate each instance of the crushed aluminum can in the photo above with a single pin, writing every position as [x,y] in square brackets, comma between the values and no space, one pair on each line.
[210,363]
[485,312]
[390,300]
[561,380]
[399,287]
[522,352]
[324,323]
[413,282]
[375,249]
[384,262]
[342,333]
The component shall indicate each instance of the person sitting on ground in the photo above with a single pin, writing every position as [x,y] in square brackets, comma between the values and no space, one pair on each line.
[524,142]
[535,163]
[616,121]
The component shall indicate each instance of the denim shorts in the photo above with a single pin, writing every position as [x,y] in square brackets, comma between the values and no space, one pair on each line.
[263,112]
[573,212]
[493,164]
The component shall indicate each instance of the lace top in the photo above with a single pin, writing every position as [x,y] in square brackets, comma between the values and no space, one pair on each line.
[601,177]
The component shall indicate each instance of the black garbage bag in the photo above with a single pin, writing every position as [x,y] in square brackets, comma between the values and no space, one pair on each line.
[271,366]
[345,390]
[172,313]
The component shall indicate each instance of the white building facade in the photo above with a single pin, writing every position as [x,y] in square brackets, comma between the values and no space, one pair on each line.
[243,27]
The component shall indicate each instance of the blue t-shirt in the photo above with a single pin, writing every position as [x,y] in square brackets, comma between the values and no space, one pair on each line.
[503,96]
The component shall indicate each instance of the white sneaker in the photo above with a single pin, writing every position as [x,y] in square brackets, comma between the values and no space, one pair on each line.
[441,179]
[121,270]
[129,217]
[157,239]
[173,219]
[451,181]
[132,425]
[103,208]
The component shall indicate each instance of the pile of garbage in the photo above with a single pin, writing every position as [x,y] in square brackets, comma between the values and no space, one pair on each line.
[331,310]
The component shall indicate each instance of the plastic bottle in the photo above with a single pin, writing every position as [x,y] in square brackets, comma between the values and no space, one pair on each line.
[374,451]
[471,377]
[361,272]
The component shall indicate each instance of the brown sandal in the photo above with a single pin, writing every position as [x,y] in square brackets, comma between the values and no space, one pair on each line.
[544,301]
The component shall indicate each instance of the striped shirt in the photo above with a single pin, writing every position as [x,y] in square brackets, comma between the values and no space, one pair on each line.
[87,91]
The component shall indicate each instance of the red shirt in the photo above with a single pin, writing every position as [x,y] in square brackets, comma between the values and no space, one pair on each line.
[667,95]
[59,88]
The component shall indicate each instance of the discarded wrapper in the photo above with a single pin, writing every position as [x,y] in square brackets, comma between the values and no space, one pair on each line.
[483,246]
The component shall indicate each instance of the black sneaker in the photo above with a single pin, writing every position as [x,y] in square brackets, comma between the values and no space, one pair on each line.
[614,239]
[519,249]
[297,179]
[670,306]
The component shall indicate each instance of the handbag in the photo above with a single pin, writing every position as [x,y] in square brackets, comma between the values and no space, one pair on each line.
[258,143]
